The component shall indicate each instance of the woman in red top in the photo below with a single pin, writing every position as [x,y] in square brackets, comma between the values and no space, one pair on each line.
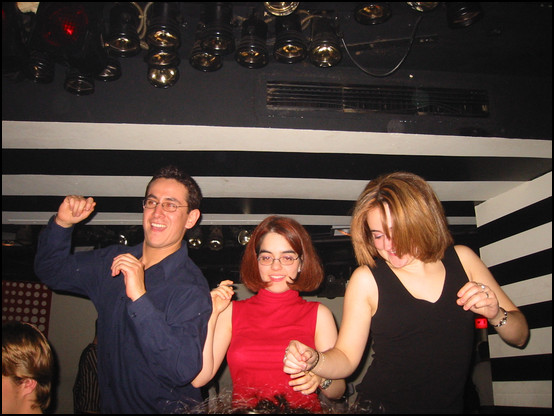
[278,263]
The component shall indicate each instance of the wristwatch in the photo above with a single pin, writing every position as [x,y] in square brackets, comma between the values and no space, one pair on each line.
[325,383]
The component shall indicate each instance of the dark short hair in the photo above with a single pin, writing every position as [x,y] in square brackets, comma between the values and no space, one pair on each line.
[194,197]
[297,236]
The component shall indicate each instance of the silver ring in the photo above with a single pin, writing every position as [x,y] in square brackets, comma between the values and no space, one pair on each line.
[483,287]
[487,293]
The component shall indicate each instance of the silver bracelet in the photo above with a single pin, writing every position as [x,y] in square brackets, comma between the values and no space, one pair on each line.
[325,383]
[504,318]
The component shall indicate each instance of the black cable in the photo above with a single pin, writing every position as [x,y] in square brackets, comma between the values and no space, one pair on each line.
[386,74]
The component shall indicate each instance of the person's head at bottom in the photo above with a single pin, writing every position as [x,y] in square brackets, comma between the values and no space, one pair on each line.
[27,369]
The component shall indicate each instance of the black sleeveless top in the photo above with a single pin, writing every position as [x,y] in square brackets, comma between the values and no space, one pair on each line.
[422,350]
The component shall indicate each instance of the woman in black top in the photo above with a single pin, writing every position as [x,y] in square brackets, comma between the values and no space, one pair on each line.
[417,293]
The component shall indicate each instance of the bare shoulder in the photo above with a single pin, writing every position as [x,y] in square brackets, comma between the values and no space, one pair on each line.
[362,274]
[324,314]
[362,283]
[474,267]
[466,254]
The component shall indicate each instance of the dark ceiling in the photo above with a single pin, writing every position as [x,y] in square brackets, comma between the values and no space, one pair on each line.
[492,79]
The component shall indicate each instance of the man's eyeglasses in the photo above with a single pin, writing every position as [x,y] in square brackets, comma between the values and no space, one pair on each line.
[265,260]
[166,206]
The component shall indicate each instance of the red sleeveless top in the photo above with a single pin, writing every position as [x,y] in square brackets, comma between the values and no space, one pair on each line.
[263,325]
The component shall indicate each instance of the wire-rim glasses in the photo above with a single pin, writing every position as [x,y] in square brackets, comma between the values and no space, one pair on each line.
[266,260]
[166,205]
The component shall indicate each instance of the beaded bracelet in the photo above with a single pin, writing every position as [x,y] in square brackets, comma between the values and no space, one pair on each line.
[502,321]
[316,361]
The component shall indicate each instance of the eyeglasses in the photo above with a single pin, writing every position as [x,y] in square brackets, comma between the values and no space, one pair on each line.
[166,206]
[284,260]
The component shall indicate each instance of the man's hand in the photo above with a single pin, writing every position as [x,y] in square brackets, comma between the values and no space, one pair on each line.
[133,274]
[74,209]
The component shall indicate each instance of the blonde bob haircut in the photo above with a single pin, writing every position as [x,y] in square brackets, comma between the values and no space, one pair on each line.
[311,274]
[26,354]
[419,224]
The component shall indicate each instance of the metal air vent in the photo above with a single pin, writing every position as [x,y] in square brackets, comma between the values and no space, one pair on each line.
[382,99]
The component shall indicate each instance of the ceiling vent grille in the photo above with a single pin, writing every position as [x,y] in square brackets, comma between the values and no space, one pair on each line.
[380,99]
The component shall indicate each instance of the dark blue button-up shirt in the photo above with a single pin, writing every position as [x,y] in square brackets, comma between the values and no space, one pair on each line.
[148,350]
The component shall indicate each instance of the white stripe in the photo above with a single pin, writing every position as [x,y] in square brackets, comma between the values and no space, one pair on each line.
[117,218]
[540,342]
[234,187]
[518,245]
[523,393]
[531,291]
[520,197]
[57,135]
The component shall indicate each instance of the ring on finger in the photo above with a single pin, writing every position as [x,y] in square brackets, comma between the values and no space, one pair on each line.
[482,287]
[487,293]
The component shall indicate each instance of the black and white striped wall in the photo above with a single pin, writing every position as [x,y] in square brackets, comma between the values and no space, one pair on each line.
[248,173]
[515,229]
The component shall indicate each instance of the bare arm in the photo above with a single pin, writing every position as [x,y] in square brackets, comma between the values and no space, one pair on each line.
[218,337]
[342,360]
[483,295]
[325,337]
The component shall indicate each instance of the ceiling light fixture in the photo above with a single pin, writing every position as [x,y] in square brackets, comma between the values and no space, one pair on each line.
[243,237]
[217,36]
[252,50]
[215,240]
[194,237]
[78,83]
[290,45]
[423,6]
[163,26]
[70,34]
[281,8]
[163,37]
[124,21]
[201,59]
[325,45]
[372,13]
[459,15]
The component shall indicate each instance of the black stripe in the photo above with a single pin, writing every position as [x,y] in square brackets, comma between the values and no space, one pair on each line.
[29,203]
[523,268]
[516,222]
[269,164]
[538,315]
[526,368]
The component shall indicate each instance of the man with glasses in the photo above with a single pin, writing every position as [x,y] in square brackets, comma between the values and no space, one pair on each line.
[153,302]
